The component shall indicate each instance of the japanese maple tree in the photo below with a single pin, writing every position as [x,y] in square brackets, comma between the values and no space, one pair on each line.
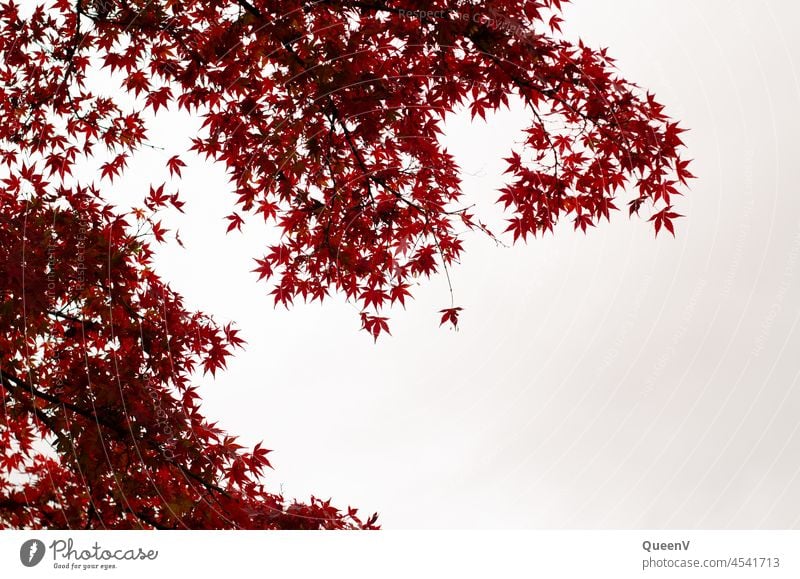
[326,115]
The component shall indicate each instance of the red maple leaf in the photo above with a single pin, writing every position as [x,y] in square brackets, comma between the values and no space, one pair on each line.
[174,164]
[450,315]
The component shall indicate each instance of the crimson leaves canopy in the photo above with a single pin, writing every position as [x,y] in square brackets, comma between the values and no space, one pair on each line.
[326,115]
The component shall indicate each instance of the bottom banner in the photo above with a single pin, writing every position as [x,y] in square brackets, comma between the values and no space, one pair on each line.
[618,554]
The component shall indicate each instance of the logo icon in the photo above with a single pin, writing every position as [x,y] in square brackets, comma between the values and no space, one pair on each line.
[32,552]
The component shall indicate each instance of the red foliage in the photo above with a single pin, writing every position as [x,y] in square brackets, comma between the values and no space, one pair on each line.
[326,116]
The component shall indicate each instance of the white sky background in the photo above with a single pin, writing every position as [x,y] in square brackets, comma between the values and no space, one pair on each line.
[601,380]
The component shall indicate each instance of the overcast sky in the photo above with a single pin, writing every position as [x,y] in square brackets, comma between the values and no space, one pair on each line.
[601,380]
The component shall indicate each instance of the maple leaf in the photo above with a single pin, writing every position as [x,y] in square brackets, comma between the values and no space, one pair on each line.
[159,98]
[374,297]
[259,458]
[450,315]
[174,165]
[236,222]
[159,232]
[374,325]
[399,293]
[113,168]
[156,198]
[664,218]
